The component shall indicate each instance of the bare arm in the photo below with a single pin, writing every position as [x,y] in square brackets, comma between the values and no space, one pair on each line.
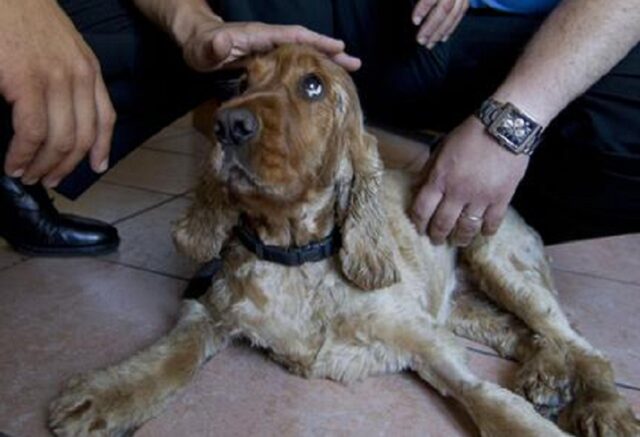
[470,182]
[208,43]
[176,17]
[578,43]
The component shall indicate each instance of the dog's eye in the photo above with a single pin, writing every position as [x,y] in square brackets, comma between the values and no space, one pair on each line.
[312,87]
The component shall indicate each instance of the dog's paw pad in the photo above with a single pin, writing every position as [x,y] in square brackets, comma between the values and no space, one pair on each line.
[81,411]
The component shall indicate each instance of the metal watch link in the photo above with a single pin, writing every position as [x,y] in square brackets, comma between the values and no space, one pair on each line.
[512,128]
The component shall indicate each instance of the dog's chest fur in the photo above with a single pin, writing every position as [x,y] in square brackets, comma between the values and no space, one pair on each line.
[317,323]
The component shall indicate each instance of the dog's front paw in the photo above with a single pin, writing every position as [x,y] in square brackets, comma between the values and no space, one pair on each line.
[545,381]
[608,416]
[88,408]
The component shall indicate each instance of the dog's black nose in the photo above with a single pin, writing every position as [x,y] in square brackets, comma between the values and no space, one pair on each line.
[235,126]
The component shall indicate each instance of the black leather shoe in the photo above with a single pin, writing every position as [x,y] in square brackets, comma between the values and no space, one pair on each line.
[31,225]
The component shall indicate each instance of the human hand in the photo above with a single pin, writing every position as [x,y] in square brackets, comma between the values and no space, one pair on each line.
[215,44]
[61,110]
[467,186]
[437,19]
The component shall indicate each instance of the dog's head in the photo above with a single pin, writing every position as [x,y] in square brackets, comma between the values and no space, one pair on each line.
[294,135]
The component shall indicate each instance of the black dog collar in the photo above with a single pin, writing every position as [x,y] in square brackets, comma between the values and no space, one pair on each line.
[292,255]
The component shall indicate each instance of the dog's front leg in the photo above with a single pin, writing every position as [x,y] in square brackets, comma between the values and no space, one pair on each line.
[513,271]
[433,352]
[117,400]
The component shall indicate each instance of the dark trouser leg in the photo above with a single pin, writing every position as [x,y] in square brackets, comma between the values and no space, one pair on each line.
[583,182]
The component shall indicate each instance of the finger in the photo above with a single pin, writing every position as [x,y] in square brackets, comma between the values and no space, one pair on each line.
[106,120]
[326,44]
[85,124]
[468,225]
[434,20]
[301,35]
[493,219]
[456,23]
[330,46]
[217,51]
[424,206]
[60,132]
[349,63]
[446,27]
[30,132]
[444,219]
[422,8]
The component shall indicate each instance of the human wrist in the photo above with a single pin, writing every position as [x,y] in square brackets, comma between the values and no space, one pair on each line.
[533,103]
[186,18]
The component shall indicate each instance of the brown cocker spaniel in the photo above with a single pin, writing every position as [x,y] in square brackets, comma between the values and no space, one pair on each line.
[323,268]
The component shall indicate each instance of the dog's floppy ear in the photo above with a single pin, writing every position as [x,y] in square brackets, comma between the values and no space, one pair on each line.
[208,222]
[366,254]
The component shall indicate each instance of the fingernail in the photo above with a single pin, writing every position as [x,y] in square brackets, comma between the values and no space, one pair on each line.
[417,20]
[422,40]
[445,38]
[51,183]
[29,181]
[17,173]
[104,165]
[431,45]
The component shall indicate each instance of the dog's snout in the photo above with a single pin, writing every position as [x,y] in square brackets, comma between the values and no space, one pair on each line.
[235,126]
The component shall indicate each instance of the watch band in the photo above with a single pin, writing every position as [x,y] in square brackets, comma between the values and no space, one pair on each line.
[512,128]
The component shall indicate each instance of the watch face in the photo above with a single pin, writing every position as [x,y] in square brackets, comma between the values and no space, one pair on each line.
[514,126]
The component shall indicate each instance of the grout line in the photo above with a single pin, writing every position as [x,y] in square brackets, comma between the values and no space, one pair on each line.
[174,152]
[627,386]
[595,276]
[147,209]
[148,190]
[23,259]
[144,269]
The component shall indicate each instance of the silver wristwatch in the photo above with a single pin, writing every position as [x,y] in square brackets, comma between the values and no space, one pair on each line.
[513,129]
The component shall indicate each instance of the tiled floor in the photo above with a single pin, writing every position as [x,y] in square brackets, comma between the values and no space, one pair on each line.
[59,317]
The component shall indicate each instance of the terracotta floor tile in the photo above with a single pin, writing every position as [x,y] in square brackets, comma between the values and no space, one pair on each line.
[109,202]
[606,313]
[186,121]
[170,173]
[58,319]
[189,142]
[8,257]
[240,393]
[615,258]
[146,241]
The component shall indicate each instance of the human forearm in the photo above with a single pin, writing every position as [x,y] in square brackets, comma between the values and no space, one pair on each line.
[179,18]
[577,44]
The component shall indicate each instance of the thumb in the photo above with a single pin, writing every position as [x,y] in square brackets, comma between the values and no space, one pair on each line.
[218,51]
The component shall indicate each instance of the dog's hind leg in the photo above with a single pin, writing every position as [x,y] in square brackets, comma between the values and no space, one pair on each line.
[117,400]
[512,270]
[435,354]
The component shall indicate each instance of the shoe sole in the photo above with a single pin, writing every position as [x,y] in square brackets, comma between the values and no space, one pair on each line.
[65,252]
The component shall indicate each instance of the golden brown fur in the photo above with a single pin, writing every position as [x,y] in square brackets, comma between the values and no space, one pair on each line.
[388,301]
